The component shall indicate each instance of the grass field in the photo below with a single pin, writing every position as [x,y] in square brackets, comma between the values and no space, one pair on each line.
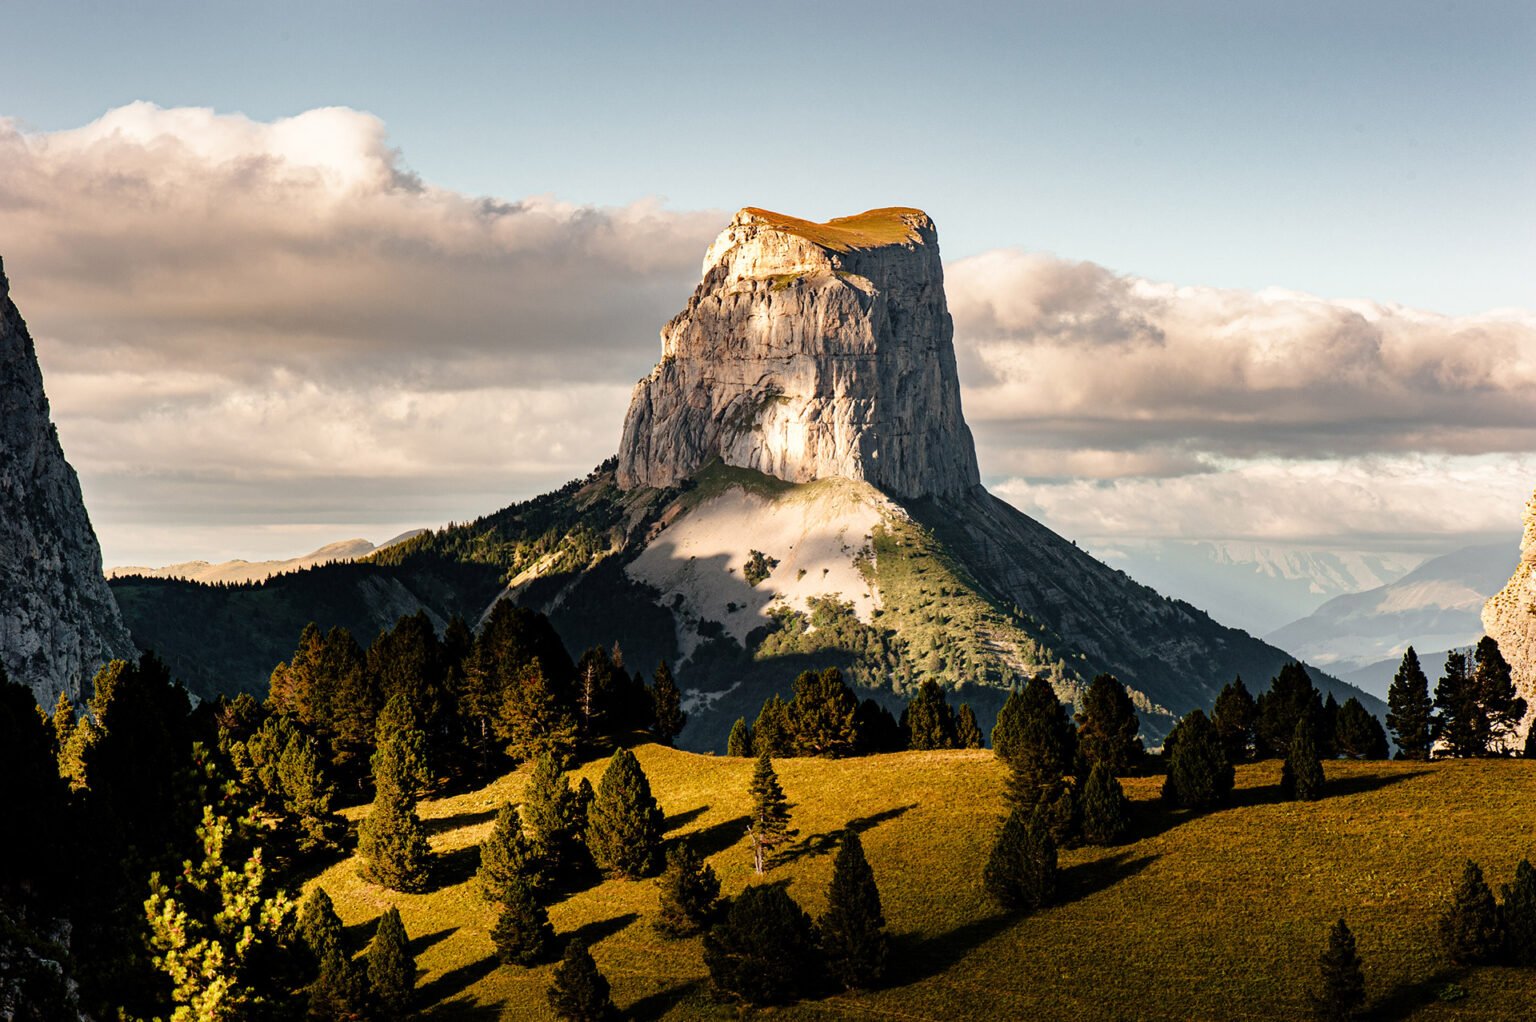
[1218,916]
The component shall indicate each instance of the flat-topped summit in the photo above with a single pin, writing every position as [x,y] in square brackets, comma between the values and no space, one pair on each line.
[810,350]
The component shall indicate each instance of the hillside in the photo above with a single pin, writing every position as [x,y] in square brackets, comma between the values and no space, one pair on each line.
[1216,916]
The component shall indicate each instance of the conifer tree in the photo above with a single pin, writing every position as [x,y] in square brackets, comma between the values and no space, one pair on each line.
[507,857]
[769,825]
[1360,734]
[1234,715]
[763,951]
[1021,871]
[1107,727]
[740,741]
[400,723]
[307,792]
[1343,981]
[532,720]
[391,841]
[667,705]
[1410,709]
[1500,709]
[1106,810]
[624,823]
[63,722]
[1325,735]
[1457,723]
[319,927]
[1518,910]
[689,893]
[549,816]
[1470,928]
[522,934]
[578,992]
[1199,775]
[967,732]
[340,989]
[878,730]
[391,969]
[928,722]
[823,714]
[770,732]
[853,940]
[1290,697]
[1008,731]
[1301,778]
[1039,747]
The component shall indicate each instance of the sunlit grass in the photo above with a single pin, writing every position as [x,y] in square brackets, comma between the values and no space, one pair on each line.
[870,229]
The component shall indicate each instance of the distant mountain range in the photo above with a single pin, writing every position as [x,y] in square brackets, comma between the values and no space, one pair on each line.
[257,571]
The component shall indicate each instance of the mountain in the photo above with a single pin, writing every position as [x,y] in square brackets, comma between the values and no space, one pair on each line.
[795,486]
[1510,617]
[1437,606]
[255,571]
[58,621]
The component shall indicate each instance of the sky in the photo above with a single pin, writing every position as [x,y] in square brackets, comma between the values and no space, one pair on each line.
[299,272]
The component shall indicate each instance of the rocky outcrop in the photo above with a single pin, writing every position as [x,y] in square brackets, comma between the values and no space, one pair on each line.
[1509,617]
[58,620]
[810,351]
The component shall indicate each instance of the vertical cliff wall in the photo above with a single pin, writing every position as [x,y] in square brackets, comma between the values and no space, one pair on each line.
[1510,617]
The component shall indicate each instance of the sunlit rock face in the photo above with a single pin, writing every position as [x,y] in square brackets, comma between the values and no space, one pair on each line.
[1509,617]
[58,620]
[810,351]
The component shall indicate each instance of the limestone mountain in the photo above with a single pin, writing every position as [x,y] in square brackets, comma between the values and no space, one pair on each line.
[58,621]
[1509,617]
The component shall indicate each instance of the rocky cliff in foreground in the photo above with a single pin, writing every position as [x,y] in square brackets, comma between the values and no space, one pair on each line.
[58,620]
[810,351]
[1509,617]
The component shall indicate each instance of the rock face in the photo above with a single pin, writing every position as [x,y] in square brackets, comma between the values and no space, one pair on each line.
[1510,618]
[58,620]
[810,351]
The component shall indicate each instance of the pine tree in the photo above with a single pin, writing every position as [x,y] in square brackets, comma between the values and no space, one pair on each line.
[928,722]
[1500,709]
[823,714]
[1518,910]
[689,893]
[878,730]
[1107,727]
[391,841]
[967,732]
[549,815]
[1470,927]
[769,826]
[1343,981]
[1457,725]
[740,741]
[1301,778]
[578,992]
[667,705]
[522,934]
[1360,734]
[1021,871]
[307,792]
[1106,810]
[319,927]
[624,826]
[532,720]
[764,951]
[1008,731]
[1234,716]
[340,989]
[1199,775]
[391,969]
[1325,735]
[1410,709]
[1038,748]
[770,732]
[399,723]
[1290,697]
[853,941]
[63,722]
[507,857]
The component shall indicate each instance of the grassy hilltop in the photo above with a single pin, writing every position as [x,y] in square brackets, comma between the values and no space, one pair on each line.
[1219,916]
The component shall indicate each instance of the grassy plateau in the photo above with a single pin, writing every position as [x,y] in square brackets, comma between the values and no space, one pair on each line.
[1214,916]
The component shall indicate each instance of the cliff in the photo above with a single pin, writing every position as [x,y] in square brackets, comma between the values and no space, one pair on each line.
[58,620]
[1509,617]
[809,351]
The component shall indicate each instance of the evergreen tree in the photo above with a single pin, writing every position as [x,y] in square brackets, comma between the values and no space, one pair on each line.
[1325,735]
[1494,689]
[532,720]
[507,857]
[319,927]
[338,988]
[1470,928]
[522,934]
[764,951]
[1360,734]
[1107,727]
[928,722]
[1234,716]
[391,841]
[1458,723]
[409,662]
[63,721]
[690,893]
[823,714]
[878,730]
[1039,745]
[853,941]
[1021,871]
[667,705]
[1106,810]
[398,722]
[1410,709]
[391,969]
[769,825]
[771,731]
[967,732]
[1343,981]
[1301,778]
[512,639]
[1199,774]
[307,792]
[549,812]
[1290,697]
[1518,910]
[624,826]
[740,741]
[578,992]
[1008,731]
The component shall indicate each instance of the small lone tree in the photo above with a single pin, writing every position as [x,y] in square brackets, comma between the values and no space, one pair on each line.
[1518,909]
[1343,981]
[666,705]
[391,969]
[1410,709]
[1470,928]
[853,940]
[764,951]
[507,857]
[1021,872]
[578,992]
[967,732]
[1105,809]
[1234,715]
[769,826]
[1199,774]
[522,934]
[318,927]
[1301,778]
[391,842]
[689,893]
[624,823]
[740,741]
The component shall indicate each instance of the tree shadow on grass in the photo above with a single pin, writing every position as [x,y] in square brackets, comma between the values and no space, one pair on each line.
[826,841]
[1153,819]
[915,957]
[655,1006]
[462,1009]
[717,837]
[416,945]
[600,929]
[455,981]
[443,824]
[455,867]
[1091,877]
[682,819]
[1406,999]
